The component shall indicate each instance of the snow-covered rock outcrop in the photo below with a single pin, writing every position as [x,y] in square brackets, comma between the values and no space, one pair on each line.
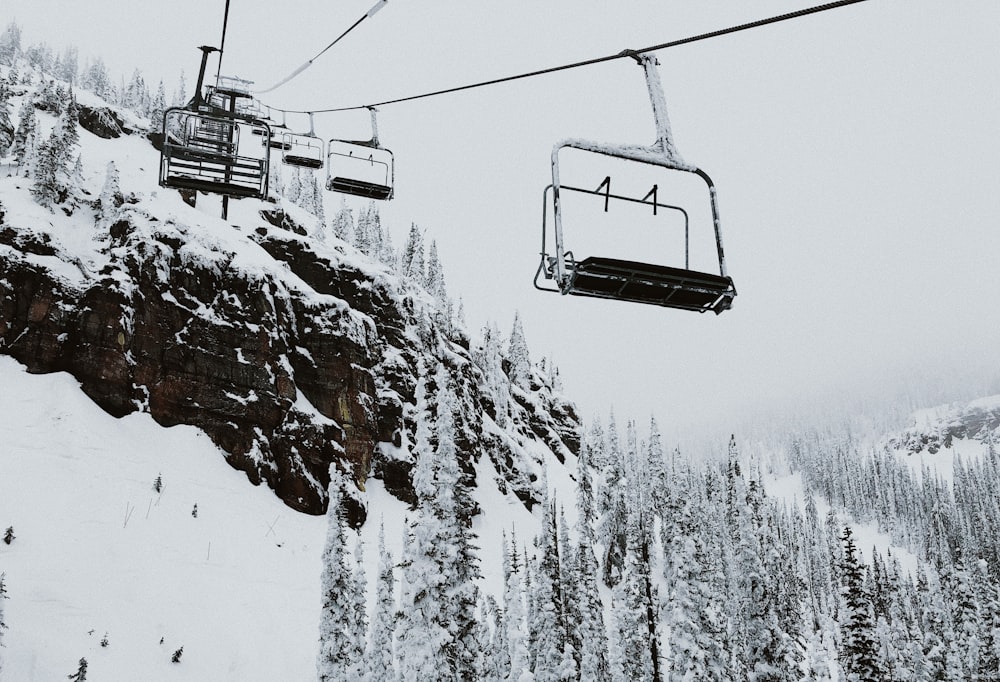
[290,352]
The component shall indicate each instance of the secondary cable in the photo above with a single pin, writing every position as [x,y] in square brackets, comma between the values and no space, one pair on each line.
[588,62]
[375,8]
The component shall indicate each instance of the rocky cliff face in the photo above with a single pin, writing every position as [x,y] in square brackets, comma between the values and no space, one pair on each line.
[289,353]
[939,428]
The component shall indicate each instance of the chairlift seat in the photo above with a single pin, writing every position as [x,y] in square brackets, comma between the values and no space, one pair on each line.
[301,161]
[359,188]
[653,284]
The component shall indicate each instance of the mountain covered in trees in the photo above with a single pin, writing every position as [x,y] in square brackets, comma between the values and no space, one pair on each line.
[322,360]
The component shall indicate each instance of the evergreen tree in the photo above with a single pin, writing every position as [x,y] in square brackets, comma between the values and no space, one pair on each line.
[517,355]
[434,282]
[343,223]
[858,652]
[157,107]
[378,656]
[135,95]
[110,200]
[6,125]
[412,261]
[10,44]
[27,126]
[611,525]
[495,383]
[180,95]
[590,629]
[68,64]
[46,187]
[337,660]
[39,57]
[81,672]
[436,628]
[546,619]
[96,79]
[495,665]
[695,606]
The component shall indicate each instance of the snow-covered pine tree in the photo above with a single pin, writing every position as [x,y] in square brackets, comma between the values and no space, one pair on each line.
[858,654]
[374,230]
[110,200]
[180,95]
[358,614]
[317,201]
[611,508]
[547,619]
[495,655]
[293,189]
[7,128]
[434,280]
[49,97]
[517,355]
[81,672]
[695,605]
[590,629]
[158,106]
[519,644]
[27,127]
[96,79]
[136,94]
[489,359]
[45,187]
[411,263]
[465,567]
[379,654]
[343,223]
[336,661]
[67,65]
[10,44]
[435,629]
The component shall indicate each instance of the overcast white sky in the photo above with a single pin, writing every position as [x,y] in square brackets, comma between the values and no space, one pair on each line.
[856,154]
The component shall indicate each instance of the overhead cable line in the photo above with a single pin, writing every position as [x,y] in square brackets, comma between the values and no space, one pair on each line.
[625,53]
[375,8]
[222,43]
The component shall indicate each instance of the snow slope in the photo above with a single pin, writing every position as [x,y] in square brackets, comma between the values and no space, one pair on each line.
[98,551]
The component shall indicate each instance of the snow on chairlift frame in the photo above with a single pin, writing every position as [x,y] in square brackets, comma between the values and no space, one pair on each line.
[628,280]
[361,168]
[201,152]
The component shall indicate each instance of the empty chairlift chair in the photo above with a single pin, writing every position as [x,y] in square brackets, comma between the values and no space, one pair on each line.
[626,280]
[303,150]
[201,152]
[361,168]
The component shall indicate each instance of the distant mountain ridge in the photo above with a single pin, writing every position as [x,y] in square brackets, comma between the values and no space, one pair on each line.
[939,427]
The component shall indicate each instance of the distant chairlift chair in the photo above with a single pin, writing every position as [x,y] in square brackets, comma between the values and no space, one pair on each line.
[303,150]
[361,168]
[624,280]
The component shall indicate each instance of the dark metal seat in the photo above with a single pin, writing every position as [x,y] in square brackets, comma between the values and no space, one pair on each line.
[359,188]
[653,284]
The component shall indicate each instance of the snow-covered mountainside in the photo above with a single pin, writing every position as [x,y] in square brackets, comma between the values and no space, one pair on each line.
[144,342]
[291,352]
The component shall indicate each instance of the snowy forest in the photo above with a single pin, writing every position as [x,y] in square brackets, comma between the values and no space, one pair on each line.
[658,563]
